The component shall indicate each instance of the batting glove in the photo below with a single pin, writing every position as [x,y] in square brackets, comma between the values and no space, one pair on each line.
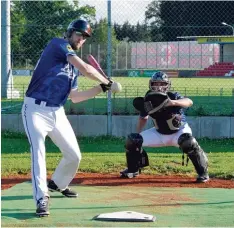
[106,87]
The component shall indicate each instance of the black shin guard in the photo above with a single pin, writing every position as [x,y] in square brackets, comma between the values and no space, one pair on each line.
[133,161]
[136,157]
[144,159]
[190,146]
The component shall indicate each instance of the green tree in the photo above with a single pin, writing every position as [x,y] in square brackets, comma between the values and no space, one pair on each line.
[99,43]
[17,31]
[170,19]
[132,33]
[45,20]
[142,33]
[153,16]
[117,29]
[126,31]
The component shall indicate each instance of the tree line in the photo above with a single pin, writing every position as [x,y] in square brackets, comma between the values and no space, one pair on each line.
[34,23]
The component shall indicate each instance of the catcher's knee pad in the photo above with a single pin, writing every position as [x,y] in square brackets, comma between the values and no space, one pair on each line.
[189,145]
[136,157]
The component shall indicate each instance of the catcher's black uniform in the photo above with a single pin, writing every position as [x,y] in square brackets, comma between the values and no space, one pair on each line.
[167,120]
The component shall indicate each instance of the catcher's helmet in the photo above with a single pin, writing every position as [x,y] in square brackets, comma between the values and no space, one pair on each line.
[159,82]
[80,26]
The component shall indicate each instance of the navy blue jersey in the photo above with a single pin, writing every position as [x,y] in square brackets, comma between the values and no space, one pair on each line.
[170,119]
[53,76]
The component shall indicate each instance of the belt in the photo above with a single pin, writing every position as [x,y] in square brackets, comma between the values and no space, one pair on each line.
[39,102]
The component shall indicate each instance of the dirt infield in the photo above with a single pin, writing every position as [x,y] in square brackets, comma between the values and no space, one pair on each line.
[96,179]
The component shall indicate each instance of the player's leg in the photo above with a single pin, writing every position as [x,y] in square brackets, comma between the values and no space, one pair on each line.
[136,156]
[151,138]
[63,136]
[37,125]
[189,145]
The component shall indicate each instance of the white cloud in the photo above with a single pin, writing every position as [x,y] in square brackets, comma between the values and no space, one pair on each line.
[121,10]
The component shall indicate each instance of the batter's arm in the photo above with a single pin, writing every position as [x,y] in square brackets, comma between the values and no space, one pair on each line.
[141,124]
[79,96]
[86,69]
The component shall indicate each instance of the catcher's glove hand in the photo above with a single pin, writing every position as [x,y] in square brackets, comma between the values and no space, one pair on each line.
[138,103]
[151,103]
[106,87]
[155,101]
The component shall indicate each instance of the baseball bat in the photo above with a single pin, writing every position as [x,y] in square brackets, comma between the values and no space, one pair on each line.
[93,62]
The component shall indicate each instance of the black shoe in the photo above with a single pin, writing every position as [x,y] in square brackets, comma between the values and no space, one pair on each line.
[202,179]
[126,174]
[42,207]
[66,192]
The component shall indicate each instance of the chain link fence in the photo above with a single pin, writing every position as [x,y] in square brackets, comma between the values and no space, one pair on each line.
[147,36]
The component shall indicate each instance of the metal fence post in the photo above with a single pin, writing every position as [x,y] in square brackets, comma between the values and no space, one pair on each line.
[6,48]
[109,59]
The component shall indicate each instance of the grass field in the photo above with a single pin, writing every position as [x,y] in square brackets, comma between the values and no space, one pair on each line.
[133,86]
[106,155]
[207,94]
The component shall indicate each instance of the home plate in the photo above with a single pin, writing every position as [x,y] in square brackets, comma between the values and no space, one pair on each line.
[125,216]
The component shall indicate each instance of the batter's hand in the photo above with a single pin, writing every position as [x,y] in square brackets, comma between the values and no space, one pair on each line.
[106,87]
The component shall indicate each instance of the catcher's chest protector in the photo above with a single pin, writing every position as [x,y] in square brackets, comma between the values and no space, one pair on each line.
[168,120]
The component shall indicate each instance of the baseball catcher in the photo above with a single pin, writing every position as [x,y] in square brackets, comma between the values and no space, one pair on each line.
[170,129]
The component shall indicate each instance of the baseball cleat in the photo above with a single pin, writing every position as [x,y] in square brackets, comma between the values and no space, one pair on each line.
[126,174]
[42,207]
[202,179]
[66,192]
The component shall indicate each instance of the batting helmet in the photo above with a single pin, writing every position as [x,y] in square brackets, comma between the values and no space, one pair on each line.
[159,82]
[80,26]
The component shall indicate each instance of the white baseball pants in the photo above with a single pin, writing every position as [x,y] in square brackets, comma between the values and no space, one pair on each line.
[40,121]
[152,138]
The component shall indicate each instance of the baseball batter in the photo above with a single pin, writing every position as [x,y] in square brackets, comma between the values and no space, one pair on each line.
[170,128]
[53,81]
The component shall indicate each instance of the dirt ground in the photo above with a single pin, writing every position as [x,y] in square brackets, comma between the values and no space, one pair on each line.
[97,179]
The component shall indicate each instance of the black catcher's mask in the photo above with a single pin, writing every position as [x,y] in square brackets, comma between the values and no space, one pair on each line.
[159,82]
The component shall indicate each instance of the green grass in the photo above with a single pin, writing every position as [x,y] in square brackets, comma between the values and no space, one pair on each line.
[138,86]
[207,94]
[203,106]
[106,155]
[177,83]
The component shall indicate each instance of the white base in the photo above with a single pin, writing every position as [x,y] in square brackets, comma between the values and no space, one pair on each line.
[126,216]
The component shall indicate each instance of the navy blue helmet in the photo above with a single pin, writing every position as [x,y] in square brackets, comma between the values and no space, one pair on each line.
[80,26]
[159,82]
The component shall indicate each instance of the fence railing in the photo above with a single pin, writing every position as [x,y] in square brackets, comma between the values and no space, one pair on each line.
[143,55]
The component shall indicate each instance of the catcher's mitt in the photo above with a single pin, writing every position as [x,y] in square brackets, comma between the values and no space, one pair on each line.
[154,101]
[138,103]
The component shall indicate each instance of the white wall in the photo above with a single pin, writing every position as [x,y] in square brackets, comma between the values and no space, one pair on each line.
[95,125]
